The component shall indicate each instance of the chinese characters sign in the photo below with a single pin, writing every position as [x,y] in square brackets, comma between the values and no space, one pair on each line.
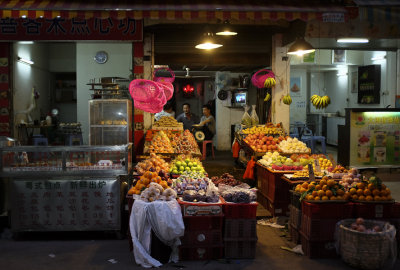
[65,205]
[375,138]
[71,29]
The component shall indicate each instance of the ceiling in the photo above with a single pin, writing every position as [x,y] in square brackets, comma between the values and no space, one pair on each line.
[246,52]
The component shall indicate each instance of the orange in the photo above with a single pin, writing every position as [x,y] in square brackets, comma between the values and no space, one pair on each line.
[318,187]
[305,185]
[153,180]
[383,186]
[329,193]
[389,197]
[324,187]
[336,186]
[313,183]
[154,174]
[369,198]
[353,191]
[302,190]
[375,192]
[309,197]
[347,196]
[325,198]
[340,192]
[361,198]
[310,186]
[354,197]
[382,193]
[331,183]
[131,191]
[384,198]
[333,198]
[377,198]
[323,182]
[314,193]
[321,193]
[339,198]
[360,186]
[367,192]
[388,191]
[371,187]
[317,198]
[148,175]
[360,192]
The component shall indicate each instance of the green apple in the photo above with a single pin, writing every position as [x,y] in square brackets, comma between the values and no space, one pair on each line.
[181,168]
[187,169]
[190,164]
[175,171]
[178,163]
[187,160]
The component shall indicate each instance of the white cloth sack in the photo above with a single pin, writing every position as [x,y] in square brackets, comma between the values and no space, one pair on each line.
[165,218]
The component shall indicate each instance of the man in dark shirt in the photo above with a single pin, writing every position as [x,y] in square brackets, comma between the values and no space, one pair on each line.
[187,118]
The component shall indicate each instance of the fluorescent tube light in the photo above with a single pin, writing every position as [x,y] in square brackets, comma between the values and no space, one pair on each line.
[25,61]
[379,57]
[352,40]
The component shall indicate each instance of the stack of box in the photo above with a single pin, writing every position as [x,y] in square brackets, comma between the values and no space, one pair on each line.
[294,223]
[240,230]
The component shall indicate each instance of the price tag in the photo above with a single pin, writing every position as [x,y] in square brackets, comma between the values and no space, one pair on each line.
[317,167]
[311,172]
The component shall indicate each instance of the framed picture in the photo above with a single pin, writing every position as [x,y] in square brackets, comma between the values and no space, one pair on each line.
[295,86]
[354,82]
[309,58]
[338,56]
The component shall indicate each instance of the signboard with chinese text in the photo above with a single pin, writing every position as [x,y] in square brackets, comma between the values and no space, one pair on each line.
[375,138]
[127,29]
[65,205]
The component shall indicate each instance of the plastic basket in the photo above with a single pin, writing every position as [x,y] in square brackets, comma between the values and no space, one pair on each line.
[202,238]
[367,251]
[240,210]
[164,79]
[168,89]
[258,79]
[147,95]
[202,223]
[330,210]
[377,210]
[240,228]
[295,216]
[318,229]
[242,249]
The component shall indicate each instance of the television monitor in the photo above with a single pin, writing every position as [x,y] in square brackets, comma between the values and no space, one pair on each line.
[240,98]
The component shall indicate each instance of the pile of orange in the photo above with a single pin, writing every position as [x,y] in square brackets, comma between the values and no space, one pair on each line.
[144,182]
[370,192]
[326,190]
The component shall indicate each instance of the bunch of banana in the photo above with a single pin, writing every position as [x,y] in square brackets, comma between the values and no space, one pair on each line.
[267,97]
[287,99]
[270,82]
[320,102]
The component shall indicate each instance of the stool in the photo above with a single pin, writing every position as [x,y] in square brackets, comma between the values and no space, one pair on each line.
[204,152]
[73,139]
[320,139]
[40,140]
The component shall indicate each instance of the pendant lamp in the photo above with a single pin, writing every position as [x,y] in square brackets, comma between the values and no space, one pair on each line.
[225,29]
[208,42]
[300,47]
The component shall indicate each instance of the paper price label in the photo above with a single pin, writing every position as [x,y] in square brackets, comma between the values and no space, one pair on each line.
[311,172]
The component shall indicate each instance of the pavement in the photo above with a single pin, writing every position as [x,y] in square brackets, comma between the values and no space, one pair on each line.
[89,250]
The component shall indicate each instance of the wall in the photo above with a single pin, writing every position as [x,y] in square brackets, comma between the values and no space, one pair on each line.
[28,76]
[299,99]
[337,90]
[118,65]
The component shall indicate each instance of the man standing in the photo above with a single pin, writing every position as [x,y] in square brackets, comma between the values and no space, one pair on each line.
[187,118]
[208,122]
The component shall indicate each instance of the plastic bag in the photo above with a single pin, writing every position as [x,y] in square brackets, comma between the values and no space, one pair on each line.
[249,173]
[235,149]
[212,194]
[254,117]
[246,119]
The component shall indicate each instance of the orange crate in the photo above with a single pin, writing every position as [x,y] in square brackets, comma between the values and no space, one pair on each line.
[318,229]
[377,210]
[240,210]
[330,210]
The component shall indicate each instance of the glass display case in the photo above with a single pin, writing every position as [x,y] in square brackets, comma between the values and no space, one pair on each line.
[110,121]
[66,160]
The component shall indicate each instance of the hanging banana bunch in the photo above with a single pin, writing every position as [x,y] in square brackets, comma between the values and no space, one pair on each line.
[320,102]
[267,97]
[287,99]
[269,82]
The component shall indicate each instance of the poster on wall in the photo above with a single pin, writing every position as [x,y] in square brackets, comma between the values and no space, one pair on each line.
[375,138]
[309,58]
[339,57]
[369,84]
[295,86]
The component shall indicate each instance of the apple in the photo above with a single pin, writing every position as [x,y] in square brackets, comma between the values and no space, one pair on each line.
[178,163]
[175,171]
[187,169]
[190,164]
[181,168]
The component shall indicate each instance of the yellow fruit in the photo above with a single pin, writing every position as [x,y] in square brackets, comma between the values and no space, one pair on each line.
[371,187]
[318,187]
[322,182]
[302,190]
[317,198]
[360,192]
[329,193]
[305,185]
[339,198]
[367,192]
[324,187]
[333,198]
[361,198]
[376,192]
[354,197]
[315,193]
[331,183]
[360,186]
[377,198]
[309,197]
[325,198]
[369,198]
[353,191]
[310,186]
[340,192]
[321,193]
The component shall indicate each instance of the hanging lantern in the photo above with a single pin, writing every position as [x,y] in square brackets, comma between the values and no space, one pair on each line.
[188,89]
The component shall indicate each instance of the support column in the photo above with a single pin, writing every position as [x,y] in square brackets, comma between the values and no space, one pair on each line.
[281,67]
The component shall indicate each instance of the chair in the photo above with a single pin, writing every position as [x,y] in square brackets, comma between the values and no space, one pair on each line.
[294,132]
[204,149]
[73,139]
[307,138]
[39,140]
[320,139]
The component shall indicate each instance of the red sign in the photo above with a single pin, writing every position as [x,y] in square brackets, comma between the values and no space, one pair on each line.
[71,29]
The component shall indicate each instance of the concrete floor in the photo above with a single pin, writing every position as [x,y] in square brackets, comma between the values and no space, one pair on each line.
[93,250]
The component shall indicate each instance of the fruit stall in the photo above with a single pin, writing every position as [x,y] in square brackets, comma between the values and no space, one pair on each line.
[218,213]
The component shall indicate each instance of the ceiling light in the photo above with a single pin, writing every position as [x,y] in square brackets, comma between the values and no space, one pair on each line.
[25,42]
[225,29]
[300,47]
[352,40]
[25,61]
[208,42]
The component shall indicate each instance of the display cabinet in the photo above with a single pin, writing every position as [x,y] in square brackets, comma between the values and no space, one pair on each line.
[110,121]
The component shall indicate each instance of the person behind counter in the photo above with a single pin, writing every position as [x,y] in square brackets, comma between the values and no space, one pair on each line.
[187,117]
[167,111]
[208,122]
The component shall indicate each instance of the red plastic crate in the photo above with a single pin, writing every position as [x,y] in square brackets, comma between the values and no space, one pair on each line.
[278,208]
[240,210]
[330,210]
[198,238]
[240,249]
[318,229]
[201,209]
[202,223]
[240,228]
[294,234]
[261,199]
[377,210]
[200,253]
[318,249]
[295,216]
